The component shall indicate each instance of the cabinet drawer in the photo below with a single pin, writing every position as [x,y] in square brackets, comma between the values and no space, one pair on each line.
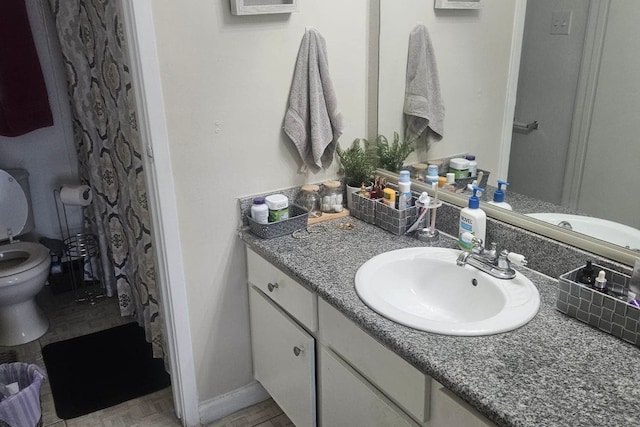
[283,359]
[289,294]
[347,399]
[402,383]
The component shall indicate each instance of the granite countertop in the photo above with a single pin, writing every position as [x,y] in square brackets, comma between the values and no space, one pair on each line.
[553,371]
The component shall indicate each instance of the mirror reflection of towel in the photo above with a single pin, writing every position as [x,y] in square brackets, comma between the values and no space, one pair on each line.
[423,105]
[312,120]
[24,104]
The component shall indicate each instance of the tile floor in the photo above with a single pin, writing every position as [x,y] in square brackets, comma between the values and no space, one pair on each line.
[69,319]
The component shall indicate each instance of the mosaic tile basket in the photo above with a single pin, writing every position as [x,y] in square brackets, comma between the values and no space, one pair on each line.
[364,208]
[607,313]
[394,220]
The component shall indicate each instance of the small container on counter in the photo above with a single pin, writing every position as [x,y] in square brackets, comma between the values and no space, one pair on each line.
[459,167]
[419,172]
[260,211]
[278,205]
[439,164]
[331,197]
[309,198]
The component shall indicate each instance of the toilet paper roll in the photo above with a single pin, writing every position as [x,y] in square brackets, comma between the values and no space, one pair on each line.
[76,195]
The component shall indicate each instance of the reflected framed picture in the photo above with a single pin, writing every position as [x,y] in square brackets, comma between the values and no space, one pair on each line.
[261,7]
[457,4]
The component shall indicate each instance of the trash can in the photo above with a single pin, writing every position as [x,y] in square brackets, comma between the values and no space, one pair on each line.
[21,409]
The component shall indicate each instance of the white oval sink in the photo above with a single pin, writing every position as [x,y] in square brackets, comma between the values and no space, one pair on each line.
[425,289]
[603,229]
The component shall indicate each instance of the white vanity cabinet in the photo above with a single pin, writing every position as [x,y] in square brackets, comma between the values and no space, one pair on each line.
[323,369]
[283,350]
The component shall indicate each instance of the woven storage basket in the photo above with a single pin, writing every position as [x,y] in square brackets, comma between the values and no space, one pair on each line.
[363,208]
[298,217]
[611,315]
[394,220]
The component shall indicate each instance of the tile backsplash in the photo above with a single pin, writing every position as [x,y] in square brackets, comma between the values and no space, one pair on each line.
[544,255]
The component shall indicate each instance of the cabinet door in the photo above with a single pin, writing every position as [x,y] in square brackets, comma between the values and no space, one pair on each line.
[283,359]
[447,409]
[402,383]
[347,399]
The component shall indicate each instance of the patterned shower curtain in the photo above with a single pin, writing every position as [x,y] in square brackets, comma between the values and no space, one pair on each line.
[110,153]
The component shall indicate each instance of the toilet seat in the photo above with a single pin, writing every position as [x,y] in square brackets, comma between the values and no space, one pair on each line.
[30,255]
[14,214]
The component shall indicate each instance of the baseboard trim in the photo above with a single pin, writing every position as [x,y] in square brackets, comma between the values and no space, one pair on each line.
[226,404]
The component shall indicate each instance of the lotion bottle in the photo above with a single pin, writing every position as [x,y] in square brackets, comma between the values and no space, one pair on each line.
[498,196]
[472,220]
[404,190]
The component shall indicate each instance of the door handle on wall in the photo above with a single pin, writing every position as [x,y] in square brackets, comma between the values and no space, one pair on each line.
[525,127]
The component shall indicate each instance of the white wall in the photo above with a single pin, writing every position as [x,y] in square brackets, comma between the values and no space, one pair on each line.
[225,81]
[48,154]
[472,49]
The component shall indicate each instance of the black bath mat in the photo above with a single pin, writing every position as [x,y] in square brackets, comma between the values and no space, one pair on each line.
[103,369]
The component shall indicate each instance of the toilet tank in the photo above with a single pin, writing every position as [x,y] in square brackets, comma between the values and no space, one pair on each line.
[22,177]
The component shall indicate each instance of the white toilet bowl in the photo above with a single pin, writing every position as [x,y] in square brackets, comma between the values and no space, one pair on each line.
[24,267]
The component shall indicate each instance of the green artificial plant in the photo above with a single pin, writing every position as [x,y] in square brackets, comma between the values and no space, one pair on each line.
[357,163]
[392,156]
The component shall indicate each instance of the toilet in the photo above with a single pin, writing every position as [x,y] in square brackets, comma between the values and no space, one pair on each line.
[24,266]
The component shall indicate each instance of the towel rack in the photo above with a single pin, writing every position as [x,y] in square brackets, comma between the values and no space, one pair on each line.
[525,127]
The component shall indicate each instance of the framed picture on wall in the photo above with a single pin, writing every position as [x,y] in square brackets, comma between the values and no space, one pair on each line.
[260,7]
[457,4]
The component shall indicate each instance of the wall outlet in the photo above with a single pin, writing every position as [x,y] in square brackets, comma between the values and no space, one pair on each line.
[561,22]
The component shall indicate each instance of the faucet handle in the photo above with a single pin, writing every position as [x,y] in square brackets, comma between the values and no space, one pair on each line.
[517,259]
[470,237]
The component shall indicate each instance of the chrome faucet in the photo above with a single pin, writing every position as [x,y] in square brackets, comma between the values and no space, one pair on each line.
[489,261]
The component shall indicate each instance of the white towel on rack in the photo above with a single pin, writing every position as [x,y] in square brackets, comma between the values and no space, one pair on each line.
[313,121]
[423,104]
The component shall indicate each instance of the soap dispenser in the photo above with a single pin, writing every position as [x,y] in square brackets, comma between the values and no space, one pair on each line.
[472,220]
[498,196]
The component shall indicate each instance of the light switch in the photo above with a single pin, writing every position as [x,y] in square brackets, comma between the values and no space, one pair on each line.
[561,22]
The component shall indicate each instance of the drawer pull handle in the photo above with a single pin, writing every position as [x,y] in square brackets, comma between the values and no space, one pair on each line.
[297,350]
[272,286]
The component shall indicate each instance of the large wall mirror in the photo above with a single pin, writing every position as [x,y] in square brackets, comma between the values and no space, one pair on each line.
[514,61]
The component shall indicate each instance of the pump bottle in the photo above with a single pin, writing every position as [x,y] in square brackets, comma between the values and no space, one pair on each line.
[498,196]
[472,220]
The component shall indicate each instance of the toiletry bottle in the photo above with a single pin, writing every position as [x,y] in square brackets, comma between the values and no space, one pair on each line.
[278,205]
[587,275]
[472,220]
[600,282]
[389,197]
[376,191]
[260,211]
[473,165]
[451,182]
[442,182]
[498,196]
[404,190]
[432,174]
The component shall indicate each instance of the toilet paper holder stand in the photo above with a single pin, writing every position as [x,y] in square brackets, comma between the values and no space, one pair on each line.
[82,253]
